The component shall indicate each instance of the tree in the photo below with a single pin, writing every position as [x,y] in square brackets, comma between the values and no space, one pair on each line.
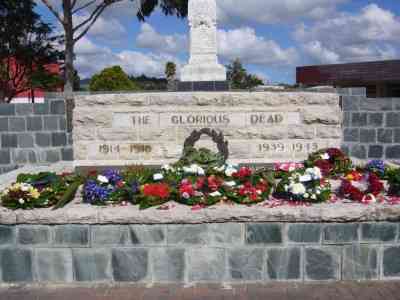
[170,73]
[111,79]
[170,70]
[239,77]
[26,46]
[74,32]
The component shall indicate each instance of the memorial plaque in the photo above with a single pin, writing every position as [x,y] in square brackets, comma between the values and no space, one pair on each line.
[260,128]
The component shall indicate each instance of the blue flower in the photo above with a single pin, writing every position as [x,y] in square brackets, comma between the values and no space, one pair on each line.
[376,166]
[94,192]
[113,176]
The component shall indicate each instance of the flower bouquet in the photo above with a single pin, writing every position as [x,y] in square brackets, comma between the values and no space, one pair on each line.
[304,185]
[331,161]
[393,177]
[363,188]
[248,187]
[282,169]
[377,167]
[107,187]
[40,190]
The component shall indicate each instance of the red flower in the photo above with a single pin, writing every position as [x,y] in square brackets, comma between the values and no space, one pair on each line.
[325,166]
[186,188]
[160,190]
[375,185]
[214,183]
[335,153]
[119,184]
[242,173]
[200,182]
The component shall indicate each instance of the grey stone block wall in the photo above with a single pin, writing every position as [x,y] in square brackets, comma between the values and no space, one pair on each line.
[371,127]
[186,254]
[33,133]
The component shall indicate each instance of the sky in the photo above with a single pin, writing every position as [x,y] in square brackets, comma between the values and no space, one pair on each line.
[270,37]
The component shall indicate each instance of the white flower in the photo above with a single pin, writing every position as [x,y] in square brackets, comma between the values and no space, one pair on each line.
[25,187]
[200,171]
[298,189]
[21,201]
[325,156]
[167,168]
[198,194]
[305,178]
[306,195]
[230,183]
[215,194]
[318,192]
[185,195]
[102,179]
[5,192]
[314,197]
[219,169]
[315,173]
[194,169]
[286,187]
[230,170]
[158,176]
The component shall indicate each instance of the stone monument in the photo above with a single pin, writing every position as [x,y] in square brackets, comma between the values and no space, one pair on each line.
[203,69]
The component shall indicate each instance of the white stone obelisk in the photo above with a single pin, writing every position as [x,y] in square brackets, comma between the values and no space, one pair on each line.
[203,63]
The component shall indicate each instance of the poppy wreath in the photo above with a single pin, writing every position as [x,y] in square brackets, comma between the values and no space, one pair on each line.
[248,187]
[331,161]
[364,189]
[203,190]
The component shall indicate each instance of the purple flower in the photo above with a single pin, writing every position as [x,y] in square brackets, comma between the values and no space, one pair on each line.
[94,192]
[377,166]
[113,176]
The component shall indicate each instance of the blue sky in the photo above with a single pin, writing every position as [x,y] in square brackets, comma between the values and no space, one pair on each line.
[271,37]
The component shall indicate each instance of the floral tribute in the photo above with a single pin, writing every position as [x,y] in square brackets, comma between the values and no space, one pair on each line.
[249,187]
[304,185]
[40,191]
[105,188]
[364,188]
[331,161]
[201,180]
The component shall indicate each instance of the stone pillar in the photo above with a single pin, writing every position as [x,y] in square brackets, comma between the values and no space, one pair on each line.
[203,63]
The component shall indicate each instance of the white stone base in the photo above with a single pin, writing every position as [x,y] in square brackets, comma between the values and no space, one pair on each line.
[204,72]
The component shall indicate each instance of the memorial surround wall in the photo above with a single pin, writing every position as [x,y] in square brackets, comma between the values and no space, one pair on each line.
[34,133]
[151,128]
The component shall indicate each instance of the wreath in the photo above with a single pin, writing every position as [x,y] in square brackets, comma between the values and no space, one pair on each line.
[204,157]
[331,161]
[307,185]
[364,189]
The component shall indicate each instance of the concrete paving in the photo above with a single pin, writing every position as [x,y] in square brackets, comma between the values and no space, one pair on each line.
[277,291]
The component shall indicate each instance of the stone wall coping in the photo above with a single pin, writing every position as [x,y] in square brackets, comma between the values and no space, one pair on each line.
[209,99]
[78,213]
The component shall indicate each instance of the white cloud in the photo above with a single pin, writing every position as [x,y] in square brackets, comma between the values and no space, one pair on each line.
[275,11]
[243,43]
[372,34]
[107,29]
[92,58]
[149,38]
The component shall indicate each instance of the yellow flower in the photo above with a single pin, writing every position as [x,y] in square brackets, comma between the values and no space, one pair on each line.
[34,193]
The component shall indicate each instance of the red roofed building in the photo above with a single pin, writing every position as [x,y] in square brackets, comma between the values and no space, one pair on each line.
[26,94]
[381,78]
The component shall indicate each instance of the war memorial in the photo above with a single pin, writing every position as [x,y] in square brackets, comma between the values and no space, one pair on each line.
[202,185]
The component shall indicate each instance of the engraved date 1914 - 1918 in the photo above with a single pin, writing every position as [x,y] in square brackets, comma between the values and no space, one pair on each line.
[132,148]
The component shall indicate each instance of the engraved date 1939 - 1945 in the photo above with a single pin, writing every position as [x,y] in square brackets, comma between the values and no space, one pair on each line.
[288,147]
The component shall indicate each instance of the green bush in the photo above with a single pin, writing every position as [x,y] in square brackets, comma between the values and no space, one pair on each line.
[112,79]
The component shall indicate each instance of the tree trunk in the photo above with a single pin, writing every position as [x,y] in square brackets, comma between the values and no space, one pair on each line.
[69,63]
[69,50]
